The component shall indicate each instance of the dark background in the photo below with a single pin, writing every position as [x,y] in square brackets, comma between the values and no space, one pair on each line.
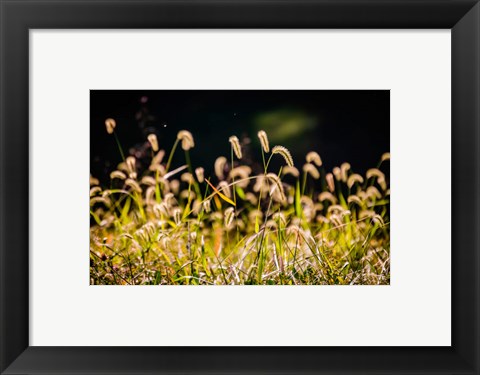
[341,126]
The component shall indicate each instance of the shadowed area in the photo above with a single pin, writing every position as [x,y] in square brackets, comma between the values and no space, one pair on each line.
[341,126]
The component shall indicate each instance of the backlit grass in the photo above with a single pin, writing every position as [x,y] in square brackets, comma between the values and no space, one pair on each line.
[298,225]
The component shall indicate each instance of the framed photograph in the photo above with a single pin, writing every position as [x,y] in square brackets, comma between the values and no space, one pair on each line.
[239,187]
[242,211]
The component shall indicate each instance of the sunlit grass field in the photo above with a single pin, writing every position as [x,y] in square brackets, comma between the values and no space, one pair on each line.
[296,225]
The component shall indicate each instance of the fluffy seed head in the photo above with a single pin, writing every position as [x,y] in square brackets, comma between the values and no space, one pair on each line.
[336,220]
[374,172]
[225,189]
[372,192]
[283,151]
[271,225]
[383,184]
[165,242]
[237,149]
[278,187]
[337,172]
[187,139]
[148,180]
[175,186]
[318,207]
[311,170]
[386,156]
[262,136]
[336,209]
[187,177]
[228,215]
[133,185]
[161,210]
[197,205]
[354,199]
[291,171]
[130,161]
[188,194]
[118,174]
[169,199]
[378,220]
[260,184]
[95,190]
[142,235]
[157,159]
[220,163]
[199,172]
[150,195]
[207,206]
[297,233]
[177,216]
[216,216]
[354,178]
[252,198]
[330,182]
[240,172]
[123,167]
[322,220]
[313,157]
[344,168]
[152,138]
[308,207]
[149,229]
[326,195]
[103,200]
[239,223]
[366,213]
[110,125]
[157,168]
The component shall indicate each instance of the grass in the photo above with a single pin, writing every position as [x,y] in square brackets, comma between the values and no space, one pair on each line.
[173,225]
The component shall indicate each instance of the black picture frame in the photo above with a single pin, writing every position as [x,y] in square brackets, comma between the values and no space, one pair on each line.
[18,16]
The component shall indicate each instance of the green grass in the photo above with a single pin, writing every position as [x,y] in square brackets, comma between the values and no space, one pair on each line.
[168,225]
